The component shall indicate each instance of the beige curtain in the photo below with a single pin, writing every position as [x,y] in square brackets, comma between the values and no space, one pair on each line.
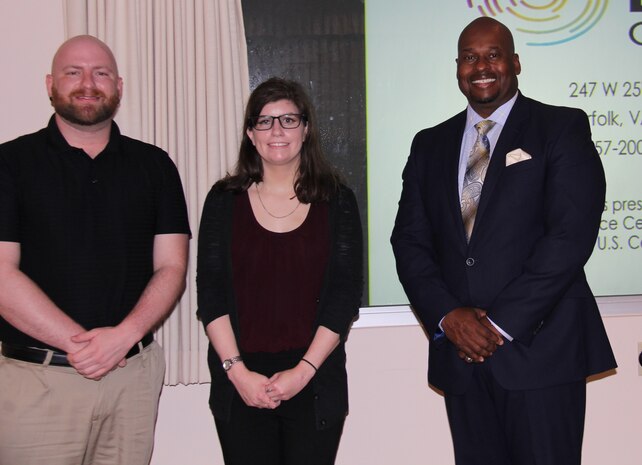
[184,66]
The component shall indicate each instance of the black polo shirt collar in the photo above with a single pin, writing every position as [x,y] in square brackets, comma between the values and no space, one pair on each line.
[57,143]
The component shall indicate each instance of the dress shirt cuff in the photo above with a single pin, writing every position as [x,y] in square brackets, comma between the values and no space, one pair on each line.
[440,332]
[501,331]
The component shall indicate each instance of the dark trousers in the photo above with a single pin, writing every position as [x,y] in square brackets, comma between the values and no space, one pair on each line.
[492,425]
[286,435]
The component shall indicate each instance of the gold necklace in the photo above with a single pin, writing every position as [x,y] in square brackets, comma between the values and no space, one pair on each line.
[258,193]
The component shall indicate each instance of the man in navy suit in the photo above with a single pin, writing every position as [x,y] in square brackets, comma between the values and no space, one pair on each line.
[514,328]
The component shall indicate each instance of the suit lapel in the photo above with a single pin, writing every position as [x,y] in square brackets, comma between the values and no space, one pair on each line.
[453,145]
[508,140]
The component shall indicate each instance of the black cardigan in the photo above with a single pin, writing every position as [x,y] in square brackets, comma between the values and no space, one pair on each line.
[338,303]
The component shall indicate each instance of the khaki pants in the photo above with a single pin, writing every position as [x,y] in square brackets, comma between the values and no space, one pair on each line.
[51,415]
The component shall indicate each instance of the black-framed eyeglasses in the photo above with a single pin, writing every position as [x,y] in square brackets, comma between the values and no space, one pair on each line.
[287,121]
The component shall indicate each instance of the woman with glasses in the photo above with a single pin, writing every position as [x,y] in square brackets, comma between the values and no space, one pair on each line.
[279,283]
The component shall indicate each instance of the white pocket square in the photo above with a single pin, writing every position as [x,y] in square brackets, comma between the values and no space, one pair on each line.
[515,156]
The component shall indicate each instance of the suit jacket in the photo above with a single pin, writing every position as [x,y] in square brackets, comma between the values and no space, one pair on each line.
[535,228]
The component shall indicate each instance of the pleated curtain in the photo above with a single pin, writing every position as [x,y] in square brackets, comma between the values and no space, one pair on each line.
[185,73]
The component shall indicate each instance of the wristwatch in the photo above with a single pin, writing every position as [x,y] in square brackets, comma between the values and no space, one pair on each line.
[227,363]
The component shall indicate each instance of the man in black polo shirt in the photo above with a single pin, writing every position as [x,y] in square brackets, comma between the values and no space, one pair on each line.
[93,253]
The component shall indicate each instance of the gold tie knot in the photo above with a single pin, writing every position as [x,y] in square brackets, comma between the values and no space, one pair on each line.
[484,126]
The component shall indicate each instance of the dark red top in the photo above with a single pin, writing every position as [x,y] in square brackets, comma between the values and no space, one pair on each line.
[277,278]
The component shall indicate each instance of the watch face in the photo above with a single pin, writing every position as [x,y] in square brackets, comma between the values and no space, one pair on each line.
[227,363]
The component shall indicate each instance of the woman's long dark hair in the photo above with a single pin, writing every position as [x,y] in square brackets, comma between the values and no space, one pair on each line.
[317,180]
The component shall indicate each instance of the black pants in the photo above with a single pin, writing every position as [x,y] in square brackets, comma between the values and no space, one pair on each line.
[492,425]
[286,435]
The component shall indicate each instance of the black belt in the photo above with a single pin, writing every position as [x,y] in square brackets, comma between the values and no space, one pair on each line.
[35,355]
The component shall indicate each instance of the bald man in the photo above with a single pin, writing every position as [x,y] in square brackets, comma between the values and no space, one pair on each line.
[499,212]
[93,253]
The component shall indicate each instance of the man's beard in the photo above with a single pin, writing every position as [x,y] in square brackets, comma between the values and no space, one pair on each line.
[84,115]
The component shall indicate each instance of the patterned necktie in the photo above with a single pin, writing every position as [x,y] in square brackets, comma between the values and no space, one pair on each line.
[474,177]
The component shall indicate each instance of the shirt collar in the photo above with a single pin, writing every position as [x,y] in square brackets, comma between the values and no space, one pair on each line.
[59,144]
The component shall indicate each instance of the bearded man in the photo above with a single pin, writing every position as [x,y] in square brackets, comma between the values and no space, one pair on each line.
[93,253]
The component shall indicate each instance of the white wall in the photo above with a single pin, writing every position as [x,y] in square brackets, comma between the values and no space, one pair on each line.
[30,33]
[395,417]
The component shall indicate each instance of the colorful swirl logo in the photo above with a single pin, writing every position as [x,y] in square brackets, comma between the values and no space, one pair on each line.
[545,22]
